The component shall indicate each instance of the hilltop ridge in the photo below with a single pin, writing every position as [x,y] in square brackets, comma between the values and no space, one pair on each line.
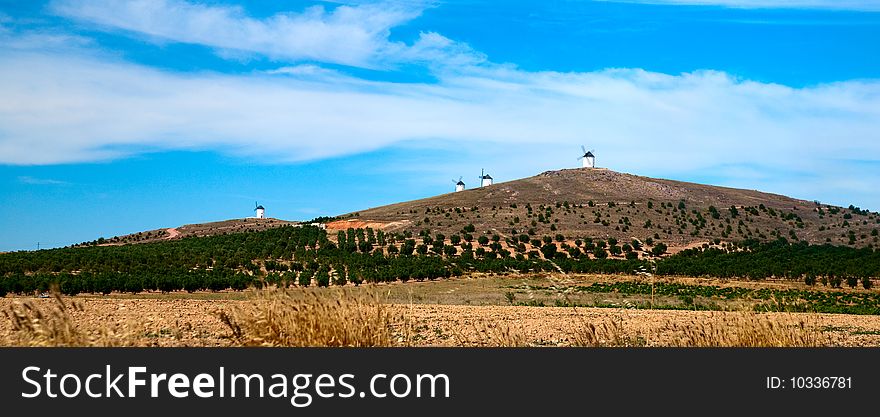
[248,224]
[572,205]
[599,203]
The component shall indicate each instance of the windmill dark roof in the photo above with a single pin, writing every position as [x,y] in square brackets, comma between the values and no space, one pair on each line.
[486,177]
[589,155]
[460,182]
[259,208]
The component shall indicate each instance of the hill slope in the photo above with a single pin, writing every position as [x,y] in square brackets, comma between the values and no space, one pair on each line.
[602,204]
[192,230]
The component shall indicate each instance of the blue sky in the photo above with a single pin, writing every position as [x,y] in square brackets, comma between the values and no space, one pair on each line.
[117,117]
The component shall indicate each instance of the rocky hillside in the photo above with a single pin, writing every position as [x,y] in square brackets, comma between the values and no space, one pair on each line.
[192,230]
[601,204]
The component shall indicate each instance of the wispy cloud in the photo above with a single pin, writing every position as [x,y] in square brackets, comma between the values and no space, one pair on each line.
[70,108]
[307,70]
[38,39]
[858,5]
[40,181]
[348,35]
[63,105]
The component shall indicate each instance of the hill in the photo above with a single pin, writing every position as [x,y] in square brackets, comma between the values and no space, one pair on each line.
[602,204]
[572,221]
[584,205]
[192,230]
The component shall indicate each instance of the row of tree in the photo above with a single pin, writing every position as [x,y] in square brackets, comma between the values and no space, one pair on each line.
[781,259]
[304,256]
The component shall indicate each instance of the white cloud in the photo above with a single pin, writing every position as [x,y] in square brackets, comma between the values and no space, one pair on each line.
[859,5]
[303,70]
[68,108]
[45,40]
[67,105]
[347,35]
[40,181]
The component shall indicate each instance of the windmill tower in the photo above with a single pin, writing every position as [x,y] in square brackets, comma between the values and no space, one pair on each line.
[259,210]
[485,179]
[459,185]
[589,160]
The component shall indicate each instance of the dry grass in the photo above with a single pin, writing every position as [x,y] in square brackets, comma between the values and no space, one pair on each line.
[747,330]
[731,329]
[491,334]
[53,326]
[299,318]
[605,334]
[340,318]
[343,319]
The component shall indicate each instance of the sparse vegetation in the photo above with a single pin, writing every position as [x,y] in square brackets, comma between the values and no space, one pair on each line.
[53,326]
[747,330]
[298,318]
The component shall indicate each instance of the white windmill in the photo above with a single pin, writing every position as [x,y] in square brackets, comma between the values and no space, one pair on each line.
[459,185]
[485,179]
[589,160]
[259,210]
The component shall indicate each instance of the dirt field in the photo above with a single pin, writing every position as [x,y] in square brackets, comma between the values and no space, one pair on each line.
[455,312]
[194,322]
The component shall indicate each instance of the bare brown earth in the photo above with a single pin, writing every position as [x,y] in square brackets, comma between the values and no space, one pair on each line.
[360,224]
[558,326]
[231,226]
[172,232]
[469,311]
